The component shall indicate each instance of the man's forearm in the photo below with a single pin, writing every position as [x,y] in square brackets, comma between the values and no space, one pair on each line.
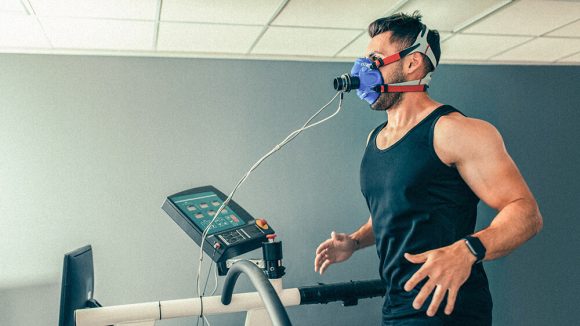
[364,236]
[515,224]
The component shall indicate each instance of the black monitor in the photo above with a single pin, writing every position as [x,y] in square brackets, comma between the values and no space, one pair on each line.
[77,288]
[234,231]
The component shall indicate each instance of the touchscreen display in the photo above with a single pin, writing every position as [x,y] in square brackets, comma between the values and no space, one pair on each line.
[201,208]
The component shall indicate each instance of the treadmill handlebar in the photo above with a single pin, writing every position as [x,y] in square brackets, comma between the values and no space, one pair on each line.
[265,289]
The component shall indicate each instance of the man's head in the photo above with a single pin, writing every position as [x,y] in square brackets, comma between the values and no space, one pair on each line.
[390,35]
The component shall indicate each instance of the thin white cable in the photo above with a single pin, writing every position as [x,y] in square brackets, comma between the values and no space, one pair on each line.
[276,148]
[215,279]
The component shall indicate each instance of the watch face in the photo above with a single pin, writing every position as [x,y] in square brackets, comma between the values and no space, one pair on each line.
[470,247]
[476,248]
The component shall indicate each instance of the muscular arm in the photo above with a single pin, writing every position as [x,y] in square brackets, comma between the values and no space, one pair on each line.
[476,148]
[364,236]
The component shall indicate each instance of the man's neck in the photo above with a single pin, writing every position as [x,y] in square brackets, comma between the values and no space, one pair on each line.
[411,109]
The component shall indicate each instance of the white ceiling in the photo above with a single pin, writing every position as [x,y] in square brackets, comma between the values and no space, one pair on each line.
[473,31]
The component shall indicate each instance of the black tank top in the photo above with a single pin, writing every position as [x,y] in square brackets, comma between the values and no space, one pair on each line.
[417,203]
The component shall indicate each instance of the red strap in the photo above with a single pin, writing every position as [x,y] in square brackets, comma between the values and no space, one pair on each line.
[392,58]
[402,89]
[385,61]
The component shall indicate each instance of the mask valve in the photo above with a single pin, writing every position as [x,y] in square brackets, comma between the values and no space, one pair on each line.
[346,83]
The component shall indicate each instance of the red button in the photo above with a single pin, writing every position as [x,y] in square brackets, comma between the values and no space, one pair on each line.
[262,224]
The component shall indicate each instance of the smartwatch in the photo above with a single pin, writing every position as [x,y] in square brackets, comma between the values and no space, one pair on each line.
[476,247]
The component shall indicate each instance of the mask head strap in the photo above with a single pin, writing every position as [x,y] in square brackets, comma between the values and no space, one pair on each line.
[420,85]
[420,45]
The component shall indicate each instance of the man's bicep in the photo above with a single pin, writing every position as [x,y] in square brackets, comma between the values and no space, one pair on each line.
[488,169]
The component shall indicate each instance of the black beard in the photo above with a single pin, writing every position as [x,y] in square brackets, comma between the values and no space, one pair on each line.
[388,100]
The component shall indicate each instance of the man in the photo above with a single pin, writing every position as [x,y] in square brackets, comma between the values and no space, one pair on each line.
[422,175]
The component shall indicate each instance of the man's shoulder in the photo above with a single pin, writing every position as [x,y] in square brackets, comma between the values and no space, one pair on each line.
[456,124]
[456,136]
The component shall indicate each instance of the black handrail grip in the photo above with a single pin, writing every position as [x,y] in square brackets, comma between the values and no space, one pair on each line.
[347,292]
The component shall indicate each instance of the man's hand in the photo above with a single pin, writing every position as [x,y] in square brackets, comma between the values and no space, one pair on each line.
[334,250]
[447,269]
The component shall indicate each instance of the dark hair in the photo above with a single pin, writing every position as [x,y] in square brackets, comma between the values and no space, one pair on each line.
[405,29]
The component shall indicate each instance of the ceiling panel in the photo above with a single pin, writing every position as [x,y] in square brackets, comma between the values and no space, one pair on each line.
[443,36]
[445,15]
[542,49]
[11,5]
[317,30]
[257,12]
[571,30]
[21,32]
[303,41]
[332,13]
[80,33]
[206,37]
[122,9]
[574,58]
[357,48]
[477,47]
[531,17]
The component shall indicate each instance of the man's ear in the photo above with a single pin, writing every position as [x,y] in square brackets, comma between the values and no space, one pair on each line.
[414,62]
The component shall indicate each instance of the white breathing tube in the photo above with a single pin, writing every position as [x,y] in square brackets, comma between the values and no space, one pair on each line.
[276,148]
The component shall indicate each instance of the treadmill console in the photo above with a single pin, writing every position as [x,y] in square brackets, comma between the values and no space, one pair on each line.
[234,232]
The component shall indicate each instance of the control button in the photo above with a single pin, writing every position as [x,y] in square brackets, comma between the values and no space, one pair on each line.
[234,218]
[211,213]
[215,203]
[199,215]
[203,205]
[191,208]
[271,237]
[262,224]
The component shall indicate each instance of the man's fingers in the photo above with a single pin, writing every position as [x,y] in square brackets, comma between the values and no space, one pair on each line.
[415,279]
[451,301]
[324,266]
[323,246]
[318,260]
[436,301]
[423,294]
[416,259]
[322,260]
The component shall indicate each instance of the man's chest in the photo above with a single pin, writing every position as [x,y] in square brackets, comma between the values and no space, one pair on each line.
[388,137]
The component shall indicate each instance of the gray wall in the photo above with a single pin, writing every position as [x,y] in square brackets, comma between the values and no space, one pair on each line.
[102,140]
